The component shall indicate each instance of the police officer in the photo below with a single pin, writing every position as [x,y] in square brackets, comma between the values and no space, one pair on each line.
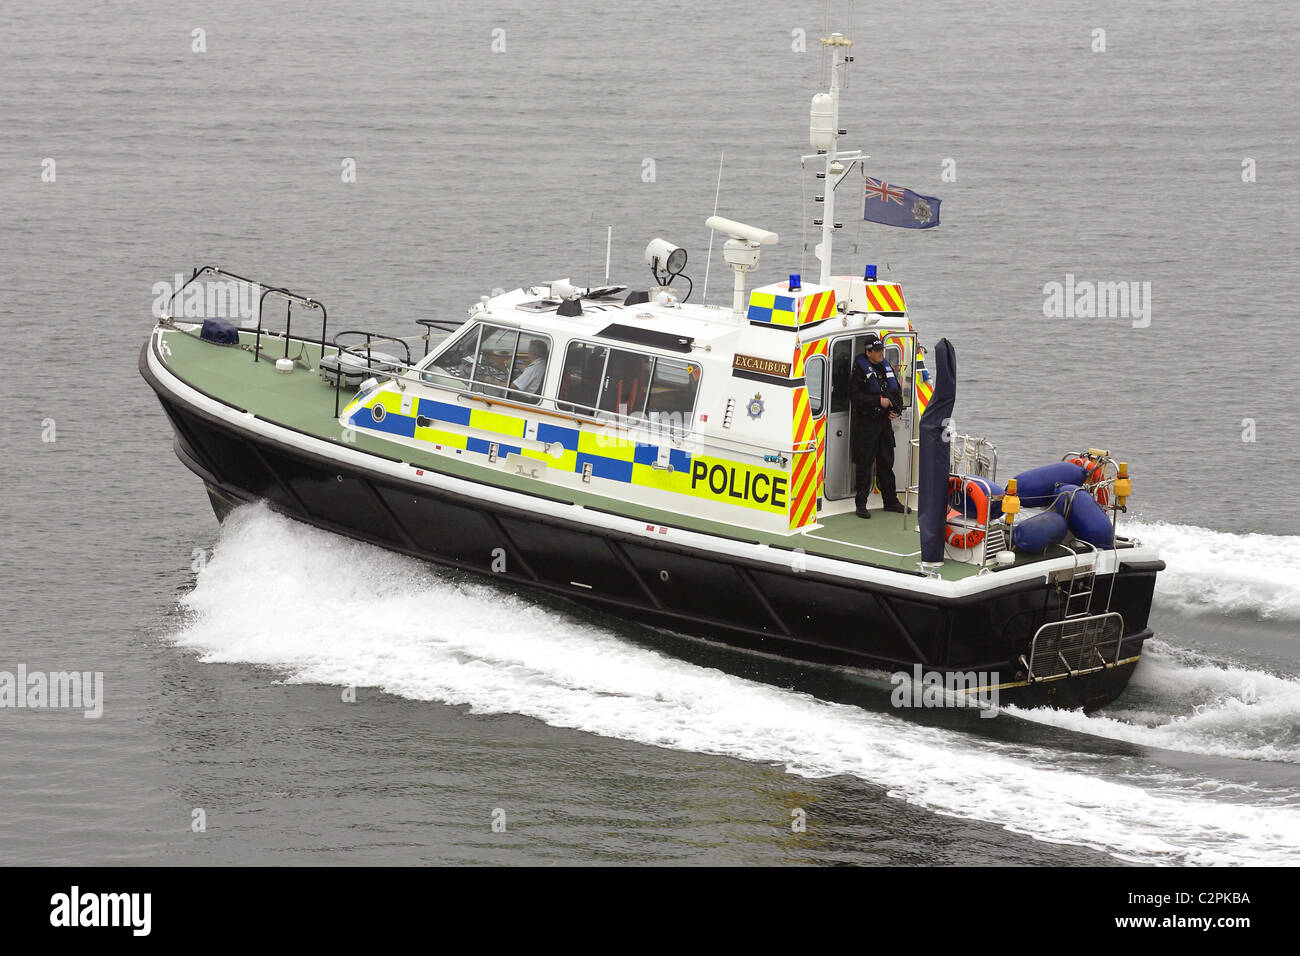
[877,400]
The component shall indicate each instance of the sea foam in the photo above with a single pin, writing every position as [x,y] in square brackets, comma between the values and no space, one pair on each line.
[333,611]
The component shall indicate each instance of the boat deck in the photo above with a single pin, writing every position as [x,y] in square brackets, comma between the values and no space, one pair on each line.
[302,400]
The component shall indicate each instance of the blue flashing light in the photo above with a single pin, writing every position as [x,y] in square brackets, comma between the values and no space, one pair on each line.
[870,274]
[794,281]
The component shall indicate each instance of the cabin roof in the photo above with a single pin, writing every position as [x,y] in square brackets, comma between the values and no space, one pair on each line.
[705,325]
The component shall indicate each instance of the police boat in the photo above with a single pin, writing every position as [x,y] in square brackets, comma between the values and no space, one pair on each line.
[688,466]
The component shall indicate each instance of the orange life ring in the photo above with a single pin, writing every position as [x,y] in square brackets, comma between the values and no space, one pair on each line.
[1093,474]
[958,535]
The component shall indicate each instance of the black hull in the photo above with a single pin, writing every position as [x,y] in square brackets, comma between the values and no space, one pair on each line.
[799,616]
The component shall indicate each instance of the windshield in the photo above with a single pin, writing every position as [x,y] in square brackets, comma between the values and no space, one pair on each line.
[493,360]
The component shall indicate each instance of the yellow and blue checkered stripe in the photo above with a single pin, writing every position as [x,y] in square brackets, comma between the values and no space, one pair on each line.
[789,311]
[610,457]
[772,309]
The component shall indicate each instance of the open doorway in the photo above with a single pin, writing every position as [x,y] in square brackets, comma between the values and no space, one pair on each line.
[840,470]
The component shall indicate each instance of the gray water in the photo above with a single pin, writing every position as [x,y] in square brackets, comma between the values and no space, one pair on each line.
[477,169]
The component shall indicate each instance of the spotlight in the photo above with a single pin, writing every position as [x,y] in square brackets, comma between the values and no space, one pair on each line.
[662,256]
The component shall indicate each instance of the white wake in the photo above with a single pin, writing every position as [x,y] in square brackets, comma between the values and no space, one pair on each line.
[322,609]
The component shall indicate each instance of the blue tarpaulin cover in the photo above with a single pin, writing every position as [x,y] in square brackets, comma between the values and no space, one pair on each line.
[936,454]
[220,331]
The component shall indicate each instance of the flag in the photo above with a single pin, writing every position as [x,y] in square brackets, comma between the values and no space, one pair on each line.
[895,206]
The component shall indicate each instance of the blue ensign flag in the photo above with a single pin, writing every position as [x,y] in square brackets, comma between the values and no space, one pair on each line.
[895,206]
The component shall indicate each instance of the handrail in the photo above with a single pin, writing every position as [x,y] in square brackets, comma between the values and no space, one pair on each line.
[341,350]
[372,338]
[1109,466]
[912,487]
[971,452]
[443,325]
[289,297]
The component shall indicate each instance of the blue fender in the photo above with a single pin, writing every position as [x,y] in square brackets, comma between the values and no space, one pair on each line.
[1037,486]
[1035,535]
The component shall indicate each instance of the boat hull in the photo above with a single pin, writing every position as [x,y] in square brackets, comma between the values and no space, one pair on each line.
[794,614]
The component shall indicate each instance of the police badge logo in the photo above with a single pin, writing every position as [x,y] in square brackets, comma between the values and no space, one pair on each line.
[921,211]
[755,407]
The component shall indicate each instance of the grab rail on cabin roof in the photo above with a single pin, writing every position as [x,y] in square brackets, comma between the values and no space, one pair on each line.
[372,339]
[449,326]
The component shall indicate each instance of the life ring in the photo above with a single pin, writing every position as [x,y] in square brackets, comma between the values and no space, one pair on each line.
[1094,472]
[958,535]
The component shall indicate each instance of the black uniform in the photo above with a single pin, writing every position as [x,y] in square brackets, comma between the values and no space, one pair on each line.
[870,434]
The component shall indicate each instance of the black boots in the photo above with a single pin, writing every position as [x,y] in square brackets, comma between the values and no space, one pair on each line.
[896,506]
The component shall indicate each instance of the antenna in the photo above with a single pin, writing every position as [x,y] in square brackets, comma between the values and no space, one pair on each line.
[709,261]
[609,245]
[823,135]
[848,32]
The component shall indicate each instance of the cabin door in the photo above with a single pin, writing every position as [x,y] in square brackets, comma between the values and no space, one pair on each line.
[840,471]
[839,457]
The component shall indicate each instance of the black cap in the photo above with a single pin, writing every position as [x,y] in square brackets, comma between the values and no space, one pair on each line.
[873,342]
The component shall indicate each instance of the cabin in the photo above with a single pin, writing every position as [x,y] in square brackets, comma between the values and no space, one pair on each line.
[742,420]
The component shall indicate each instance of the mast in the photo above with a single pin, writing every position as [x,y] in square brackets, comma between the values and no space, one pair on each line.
[823,134]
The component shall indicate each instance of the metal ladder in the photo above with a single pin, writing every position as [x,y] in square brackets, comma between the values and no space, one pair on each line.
[995,541]
[1078,587]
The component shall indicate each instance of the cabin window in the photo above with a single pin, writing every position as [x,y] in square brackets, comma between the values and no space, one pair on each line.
[496,355]
[627,381]
[494,360]
[894,356]
[454,366]
[841,374]
[528,371]
[844,352]
[596,379]
[581,378]
[814,371]
[671,400]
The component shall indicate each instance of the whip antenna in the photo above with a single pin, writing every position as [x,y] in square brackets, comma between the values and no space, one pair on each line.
[709,260]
